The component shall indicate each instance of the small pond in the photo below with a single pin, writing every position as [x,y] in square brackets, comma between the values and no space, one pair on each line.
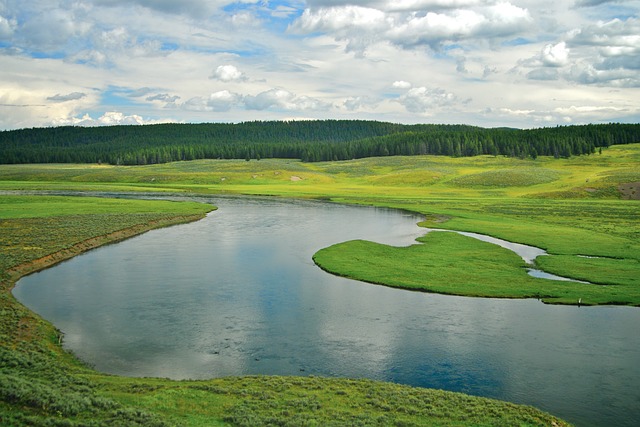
[237,293]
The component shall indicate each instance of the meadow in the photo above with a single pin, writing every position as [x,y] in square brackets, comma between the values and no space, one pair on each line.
[583,206]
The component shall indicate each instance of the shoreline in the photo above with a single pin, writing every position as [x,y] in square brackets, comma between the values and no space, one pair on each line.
[17,272]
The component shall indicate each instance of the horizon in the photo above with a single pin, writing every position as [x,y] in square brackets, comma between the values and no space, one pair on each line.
[520,64]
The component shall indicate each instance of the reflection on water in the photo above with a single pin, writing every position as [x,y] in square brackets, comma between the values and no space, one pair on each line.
[237,293]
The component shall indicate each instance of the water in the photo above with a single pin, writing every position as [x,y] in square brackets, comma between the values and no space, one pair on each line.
[237,293]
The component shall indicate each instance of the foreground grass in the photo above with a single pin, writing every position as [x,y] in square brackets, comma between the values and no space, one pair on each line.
[40,384]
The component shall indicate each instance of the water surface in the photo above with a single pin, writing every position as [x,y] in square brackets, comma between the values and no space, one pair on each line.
[237,293]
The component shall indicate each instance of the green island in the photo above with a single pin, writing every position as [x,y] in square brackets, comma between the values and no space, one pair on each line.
[583,210]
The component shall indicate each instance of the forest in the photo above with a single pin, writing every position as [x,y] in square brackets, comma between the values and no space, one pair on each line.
[309,141]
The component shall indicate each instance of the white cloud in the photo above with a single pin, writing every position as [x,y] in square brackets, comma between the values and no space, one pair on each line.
[543,74]
[610,53]
[359,104]
[218,101]
[282,11]
[423,99]
[228,73]
[585,73]
[284,100]
[110,118]
[401,84]
[193,8]
[7,27]
[555,55]
[398,5]
[341,18]
[51,29]
[278,98]
[364,26]
[617,32]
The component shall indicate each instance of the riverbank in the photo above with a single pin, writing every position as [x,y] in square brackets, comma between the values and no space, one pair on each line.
[41,384]
[49,260]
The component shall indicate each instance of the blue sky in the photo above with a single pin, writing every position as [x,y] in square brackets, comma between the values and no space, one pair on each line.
[521,63]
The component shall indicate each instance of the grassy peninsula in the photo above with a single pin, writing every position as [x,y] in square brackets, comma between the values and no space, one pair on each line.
[573,206]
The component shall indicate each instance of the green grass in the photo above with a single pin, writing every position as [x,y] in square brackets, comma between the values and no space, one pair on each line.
[515,177]
[594,176]
[50,206]
[621,274]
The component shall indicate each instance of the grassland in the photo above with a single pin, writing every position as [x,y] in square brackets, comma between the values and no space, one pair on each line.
[569,207]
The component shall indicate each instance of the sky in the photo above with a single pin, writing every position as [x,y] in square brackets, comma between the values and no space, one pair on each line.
[490,63]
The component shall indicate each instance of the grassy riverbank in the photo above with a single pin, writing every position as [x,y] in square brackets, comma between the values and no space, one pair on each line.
[40,384]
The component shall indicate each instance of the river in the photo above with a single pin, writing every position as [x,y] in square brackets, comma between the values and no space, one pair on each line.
[238,293]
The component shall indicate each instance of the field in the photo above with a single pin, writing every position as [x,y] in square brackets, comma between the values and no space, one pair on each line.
[578,206]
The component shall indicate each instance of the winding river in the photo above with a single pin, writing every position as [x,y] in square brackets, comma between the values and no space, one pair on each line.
[237,293]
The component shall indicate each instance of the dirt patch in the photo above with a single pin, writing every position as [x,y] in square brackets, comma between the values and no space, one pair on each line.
[630,190]
[295,178]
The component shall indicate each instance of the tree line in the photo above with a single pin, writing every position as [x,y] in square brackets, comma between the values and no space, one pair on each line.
[309,141]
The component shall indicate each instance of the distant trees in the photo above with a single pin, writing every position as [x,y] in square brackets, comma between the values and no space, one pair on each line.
[310,141]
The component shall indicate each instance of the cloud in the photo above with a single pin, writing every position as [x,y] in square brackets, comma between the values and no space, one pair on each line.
[358,103]
[587,3]
[611,53]
[7,27]
[397,5]
[228,73]
[555,55]
[543,74]
[613,39]
[193,8]
[616,32]
[218,101]
[401,84]
[467,21]
[69,97]
[284,12]
[587,74]
[51,29]
[423,99]
[279,98]
[284,100]
[140,92]
[163,97]
[110,118]
[601,54]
